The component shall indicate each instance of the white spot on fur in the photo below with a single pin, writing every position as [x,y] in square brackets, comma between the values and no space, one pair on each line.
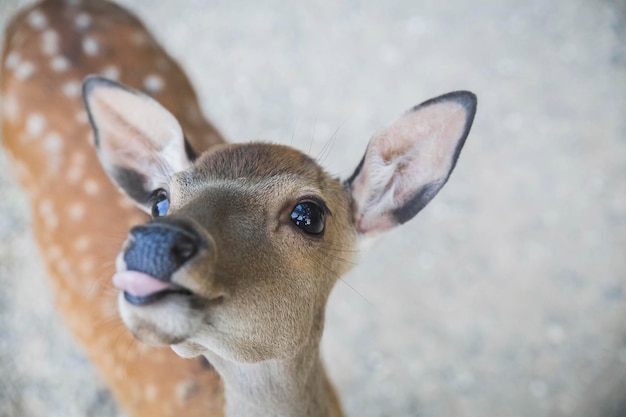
[24,70]
[111,72]
[51,221]
[46,210]
[81,117]
[82,243]
[150,393]
[74,174]
[125,202]
[76,212]
[64,268]
[49,42]
[45,207]
[109,360]
[59,63]
[90,46]
[72,89]
[92,187]
[12,60]
[54,252]
[87,266]
[82,20]
[139,38]
[153,83]
[120,373]
[53,143]
[37,20]
[35,124]
[10,108]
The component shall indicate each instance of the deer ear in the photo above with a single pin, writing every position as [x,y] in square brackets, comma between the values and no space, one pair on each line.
[407,163]
[140,144]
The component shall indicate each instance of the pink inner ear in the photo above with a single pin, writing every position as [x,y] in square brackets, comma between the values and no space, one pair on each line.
[135,131]
[123,113]
[416,150]
[421,144]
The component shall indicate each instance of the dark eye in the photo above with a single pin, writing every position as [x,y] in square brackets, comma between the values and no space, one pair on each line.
[160,203]
[309,217]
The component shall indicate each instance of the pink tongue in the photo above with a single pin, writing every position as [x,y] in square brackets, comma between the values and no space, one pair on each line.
[137,283]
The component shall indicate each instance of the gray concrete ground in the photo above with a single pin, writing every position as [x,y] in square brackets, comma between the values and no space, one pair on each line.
[505,297]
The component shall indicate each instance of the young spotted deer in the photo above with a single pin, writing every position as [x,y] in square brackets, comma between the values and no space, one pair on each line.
[246,241]
[239,268]
[80,219]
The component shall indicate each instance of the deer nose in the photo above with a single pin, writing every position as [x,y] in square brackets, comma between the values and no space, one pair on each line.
[159,248]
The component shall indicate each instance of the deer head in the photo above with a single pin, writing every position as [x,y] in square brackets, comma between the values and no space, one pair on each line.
[247,240]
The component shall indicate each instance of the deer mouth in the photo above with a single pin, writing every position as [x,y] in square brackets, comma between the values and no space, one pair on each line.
[142,289]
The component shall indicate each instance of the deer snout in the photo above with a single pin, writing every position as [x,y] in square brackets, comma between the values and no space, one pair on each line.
[152,254]
[159,249]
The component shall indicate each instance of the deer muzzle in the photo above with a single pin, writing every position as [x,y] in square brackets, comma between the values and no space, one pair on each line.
[154,252]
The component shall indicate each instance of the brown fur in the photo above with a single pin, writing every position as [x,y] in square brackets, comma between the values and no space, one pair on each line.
[146,381]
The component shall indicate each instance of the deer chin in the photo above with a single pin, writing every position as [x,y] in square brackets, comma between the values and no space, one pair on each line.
[165,312]
[170,320]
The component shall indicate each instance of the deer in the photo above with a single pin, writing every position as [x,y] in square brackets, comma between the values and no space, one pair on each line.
[246,241]
[243,243]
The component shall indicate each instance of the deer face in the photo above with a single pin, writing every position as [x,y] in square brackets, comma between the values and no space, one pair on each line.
[244,258]
[247,241]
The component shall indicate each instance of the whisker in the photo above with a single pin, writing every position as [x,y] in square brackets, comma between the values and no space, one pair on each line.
[338,258]
[131,344]
[293,132]
[312,136]
[329,144]
[355,290]
[333,272]
[107,321]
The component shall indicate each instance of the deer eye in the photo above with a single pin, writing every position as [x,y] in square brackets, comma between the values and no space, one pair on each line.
[160,203]
[309,217]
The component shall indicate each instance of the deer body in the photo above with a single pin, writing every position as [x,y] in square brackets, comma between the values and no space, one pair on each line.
[246,241]
[80,219]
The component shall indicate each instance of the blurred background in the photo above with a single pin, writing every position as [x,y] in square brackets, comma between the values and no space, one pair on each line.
[505,297]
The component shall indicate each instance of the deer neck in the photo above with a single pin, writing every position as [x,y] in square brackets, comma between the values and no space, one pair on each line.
[295,387]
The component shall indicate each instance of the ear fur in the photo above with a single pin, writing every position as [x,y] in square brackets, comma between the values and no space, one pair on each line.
[407,163]
[140,144]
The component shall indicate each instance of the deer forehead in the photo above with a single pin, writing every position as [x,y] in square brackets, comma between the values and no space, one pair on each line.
[257,160]
[258,172]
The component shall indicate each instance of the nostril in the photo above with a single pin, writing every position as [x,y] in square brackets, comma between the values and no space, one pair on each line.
[183,249]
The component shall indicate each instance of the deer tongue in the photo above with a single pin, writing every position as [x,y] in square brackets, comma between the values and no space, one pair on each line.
[138,284]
